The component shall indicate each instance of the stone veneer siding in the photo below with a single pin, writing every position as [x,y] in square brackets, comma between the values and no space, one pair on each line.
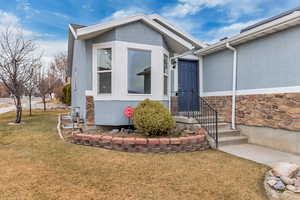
[90,117]
[264,110]
[174,105]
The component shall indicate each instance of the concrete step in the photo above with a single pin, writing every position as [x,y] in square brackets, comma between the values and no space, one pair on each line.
[223,125]
[233,140]
[228,132]
[70,126]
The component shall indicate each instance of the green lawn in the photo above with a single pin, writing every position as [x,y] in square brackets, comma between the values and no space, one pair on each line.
[36,164]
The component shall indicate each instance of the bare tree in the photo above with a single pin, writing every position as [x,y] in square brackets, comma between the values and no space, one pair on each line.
[59,66]
[31,87]
[54,80]
[18,59]
[44,87]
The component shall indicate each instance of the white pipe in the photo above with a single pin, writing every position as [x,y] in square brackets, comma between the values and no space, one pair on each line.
[233,84]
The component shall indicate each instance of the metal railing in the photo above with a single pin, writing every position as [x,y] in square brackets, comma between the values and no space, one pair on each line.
[205,114]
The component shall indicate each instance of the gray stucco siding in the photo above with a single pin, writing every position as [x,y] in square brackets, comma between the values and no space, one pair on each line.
[135,32]
[138,32]
[217,71]
[110,113]
[267,62]
[79,84]
[272,61]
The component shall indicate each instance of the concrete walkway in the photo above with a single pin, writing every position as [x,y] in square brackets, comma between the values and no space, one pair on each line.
[260,154]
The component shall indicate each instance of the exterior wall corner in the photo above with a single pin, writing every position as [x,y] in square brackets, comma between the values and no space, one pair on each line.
[90,116]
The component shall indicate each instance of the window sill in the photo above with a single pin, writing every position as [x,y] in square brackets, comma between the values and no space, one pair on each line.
[139,94]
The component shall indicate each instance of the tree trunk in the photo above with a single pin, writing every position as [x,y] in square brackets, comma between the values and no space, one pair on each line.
[44,102]
[30,113]
[18,110]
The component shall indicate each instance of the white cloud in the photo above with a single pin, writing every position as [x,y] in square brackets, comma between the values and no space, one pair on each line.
[47,47]
[232,9]
[125,13]
[25,6]
[185,24]
[227,31]
[50,49]
[191,7]
[57,14]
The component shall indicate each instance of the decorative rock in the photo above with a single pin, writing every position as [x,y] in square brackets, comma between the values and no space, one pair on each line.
[285,169]
[288,195]
[189,132]
[297,182]
[273,178]
[291,188]
[114,131]
[287,180]
[272,182]
[279,186]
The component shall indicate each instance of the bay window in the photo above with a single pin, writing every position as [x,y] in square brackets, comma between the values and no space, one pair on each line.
[104,70]
[139,71]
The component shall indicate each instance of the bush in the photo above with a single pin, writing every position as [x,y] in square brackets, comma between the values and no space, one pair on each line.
[58,93]
[67,94]
[153,118]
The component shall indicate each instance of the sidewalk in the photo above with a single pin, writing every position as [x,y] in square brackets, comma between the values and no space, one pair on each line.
[260,154]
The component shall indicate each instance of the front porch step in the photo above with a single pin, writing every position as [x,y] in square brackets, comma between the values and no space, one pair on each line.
[233,140]
[223,125]
[228,132]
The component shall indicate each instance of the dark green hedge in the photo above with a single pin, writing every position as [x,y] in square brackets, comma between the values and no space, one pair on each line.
[67,94]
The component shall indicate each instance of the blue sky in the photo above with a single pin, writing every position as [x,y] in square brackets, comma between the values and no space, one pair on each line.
[207,20]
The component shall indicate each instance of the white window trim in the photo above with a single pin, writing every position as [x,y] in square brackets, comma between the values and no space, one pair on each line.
[120,74]
[95,70]
[165,52]
[275,90]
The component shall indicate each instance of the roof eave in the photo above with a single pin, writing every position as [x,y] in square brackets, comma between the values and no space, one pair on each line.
[90,31]
[173,27]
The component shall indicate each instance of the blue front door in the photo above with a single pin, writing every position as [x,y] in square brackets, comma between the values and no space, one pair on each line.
[188,85]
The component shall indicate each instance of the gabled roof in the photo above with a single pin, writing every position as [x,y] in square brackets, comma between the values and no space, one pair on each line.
[264,28]
[176,39]
[165,23]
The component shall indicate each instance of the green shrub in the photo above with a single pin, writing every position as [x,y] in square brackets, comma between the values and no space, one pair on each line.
[66,99]
[153,118]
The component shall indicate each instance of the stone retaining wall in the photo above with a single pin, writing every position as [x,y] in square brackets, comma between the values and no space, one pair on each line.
[264,110]
[144,145]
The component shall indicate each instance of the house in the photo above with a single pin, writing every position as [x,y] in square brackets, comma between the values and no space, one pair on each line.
[119,63]
[252,79]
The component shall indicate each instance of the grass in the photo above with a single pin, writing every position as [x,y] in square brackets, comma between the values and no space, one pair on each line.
[36,164]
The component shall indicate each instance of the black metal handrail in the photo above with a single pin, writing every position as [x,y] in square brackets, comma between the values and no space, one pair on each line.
[207,117]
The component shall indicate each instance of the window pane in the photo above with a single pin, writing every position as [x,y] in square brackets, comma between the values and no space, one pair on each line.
[103,59]
[104,83]
[165,85]
[139,72]
[165,64]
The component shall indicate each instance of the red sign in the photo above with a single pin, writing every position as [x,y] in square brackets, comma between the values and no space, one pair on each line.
[128,112]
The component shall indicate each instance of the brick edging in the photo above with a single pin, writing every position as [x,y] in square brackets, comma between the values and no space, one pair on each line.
[143,145]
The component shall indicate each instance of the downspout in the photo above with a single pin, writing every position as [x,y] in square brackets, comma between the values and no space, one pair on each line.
[234,71]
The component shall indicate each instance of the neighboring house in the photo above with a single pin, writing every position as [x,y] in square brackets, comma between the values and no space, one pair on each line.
[256,74]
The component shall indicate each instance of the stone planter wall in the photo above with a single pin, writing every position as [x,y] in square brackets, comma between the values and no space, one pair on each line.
[264,110]
[144,145]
